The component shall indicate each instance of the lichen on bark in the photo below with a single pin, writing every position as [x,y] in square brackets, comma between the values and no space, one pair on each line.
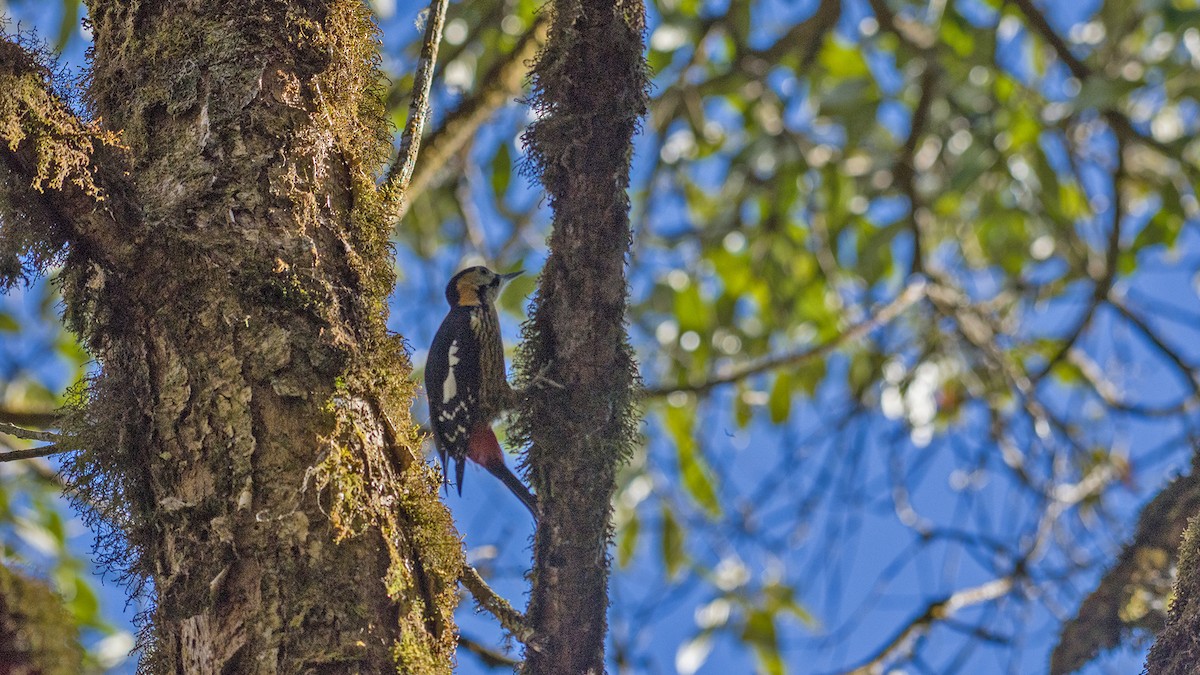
[43,146]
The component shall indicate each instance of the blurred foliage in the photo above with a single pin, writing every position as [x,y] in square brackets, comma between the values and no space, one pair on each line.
[39,360]
[36,635]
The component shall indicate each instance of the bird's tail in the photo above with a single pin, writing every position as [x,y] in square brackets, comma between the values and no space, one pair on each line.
[516,487]
[484,449]
[442,454]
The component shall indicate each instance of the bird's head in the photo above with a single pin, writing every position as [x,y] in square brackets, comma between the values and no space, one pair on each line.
[476,286]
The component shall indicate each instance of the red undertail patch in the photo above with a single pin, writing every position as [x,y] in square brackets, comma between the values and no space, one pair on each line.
[483,448]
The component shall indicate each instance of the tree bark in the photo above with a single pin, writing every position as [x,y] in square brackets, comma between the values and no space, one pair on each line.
[1175,649]
[578,371]
[247,434]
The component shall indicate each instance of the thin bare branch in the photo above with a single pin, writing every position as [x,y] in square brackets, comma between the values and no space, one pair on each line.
[1118,120]
[905,169]
[497,87]
[29,418]
[398,176]
[1104,282]
[491,658]
[881,317]
[1185,369]
[512,620]
[901,644]
[44,451]
[28,434]
[1042,27]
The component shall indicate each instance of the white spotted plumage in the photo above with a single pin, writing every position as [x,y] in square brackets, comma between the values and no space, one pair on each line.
[450,386]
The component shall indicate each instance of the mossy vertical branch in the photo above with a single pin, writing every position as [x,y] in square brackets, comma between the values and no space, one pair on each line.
[590,87]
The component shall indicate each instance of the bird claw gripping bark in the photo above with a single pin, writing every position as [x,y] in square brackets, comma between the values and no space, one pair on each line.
[541,381]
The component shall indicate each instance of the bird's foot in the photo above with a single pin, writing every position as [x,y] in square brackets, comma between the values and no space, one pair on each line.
[540,380]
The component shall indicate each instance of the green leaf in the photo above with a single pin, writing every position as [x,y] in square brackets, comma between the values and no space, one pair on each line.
[501,171]
[843,60]
[780,402]
[1105,92]
[741,409]
[627,540]
[658,60]
[696,475]
[960,41]
[1067,373]
[782,598]
[84,605]
[809,376]
[8,324]
[54,525]
[516,294]
[849,98]
[69,24]
[690,309]
[1165,226]
[672,543]
[759,631]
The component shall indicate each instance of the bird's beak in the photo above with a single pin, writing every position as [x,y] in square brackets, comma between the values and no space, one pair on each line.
[505,278]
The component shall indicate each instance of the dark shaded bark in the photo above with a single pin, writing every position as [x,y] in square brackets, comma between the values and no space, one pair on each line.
[589,88]
[247,435]
[1147,560]
[1177,649]
[1127,600]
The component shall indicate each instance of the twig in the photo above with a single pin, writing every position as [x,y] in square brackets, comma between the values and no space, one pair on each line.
[884,315]
[501,83]
[1039,24]
[28,434]
[401,171]
[29,418]
[1187,371]
[905,169]
[936,611]
[43,451]
[978,330]
[491,658]
[803,41]
[1118,120]
[919,36]
[512,620]
[1105,282]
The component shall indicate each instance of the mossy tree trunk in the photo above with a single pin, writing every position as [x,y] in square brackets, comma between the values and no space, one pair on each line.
[1177,646]
[590,88]
[247,433]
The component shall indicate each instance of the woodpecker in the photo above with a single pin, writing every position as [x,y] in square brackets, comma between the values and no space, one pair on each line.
[466,383]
